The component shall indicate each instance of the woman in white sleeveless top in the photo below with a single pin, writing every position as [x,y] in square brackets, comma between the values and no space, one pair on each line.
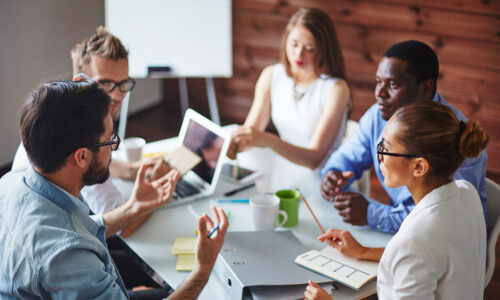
[306,96]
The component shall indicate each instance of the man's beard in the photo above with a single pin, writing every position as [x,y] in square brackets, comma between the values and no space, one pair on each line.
[95,173]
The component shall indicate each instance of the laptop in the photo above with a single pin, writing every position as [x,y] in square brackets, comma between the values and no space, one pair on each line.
[210,142]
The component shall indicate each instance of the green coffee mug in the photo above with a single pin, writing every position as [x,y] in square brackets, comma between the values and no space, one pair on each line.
[289,202]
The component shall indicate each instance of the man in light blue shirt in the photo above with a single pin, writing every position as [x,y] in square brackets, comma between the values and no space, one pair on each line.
[50,247]
[407,73]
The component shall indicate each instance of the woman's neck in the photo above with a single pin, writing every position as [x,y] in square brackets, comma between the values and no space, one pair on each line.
[303,78]
[420,187]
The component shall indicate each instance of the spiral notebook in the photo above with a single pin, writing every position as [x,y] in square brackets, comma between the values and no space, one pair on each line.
[331,263]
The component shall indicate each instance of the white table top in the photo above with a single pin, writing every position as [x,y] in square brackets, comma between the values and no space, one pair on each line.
[154,239]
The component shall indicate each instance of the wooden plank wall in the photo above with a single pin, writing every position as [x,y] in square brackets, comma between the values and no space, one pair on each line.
[464,33]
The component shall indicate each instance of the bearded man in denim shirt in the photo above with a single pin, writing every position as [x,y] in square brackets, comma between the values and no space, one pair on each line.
[51,247]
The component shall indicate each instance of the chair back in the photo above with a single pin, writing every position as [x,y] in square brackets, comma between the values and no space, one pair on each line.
[363,183]
[493,206]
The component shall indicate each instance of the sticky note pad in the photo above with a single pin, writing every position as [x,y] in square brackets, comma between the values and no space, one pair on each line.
[185,262]
[184,245]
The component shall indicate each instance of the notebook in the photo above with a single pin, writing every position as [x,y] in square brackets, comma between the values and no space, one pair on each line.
[209,142]
[331,263]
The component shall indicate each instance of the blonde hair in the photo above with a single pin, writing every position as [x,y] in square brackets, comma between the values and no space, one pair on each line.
[102,44]
[433,131]
[328,57]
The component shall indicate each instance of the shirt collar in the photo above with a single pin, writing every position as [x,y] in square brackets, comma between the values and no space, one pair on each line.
[437,195]
[77,201]
[55,194]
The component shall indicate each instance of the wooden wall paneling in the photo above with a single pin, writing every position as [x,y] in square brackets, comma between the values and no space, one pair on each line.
[464,33]
[393,16]
[468,6]
[449,49]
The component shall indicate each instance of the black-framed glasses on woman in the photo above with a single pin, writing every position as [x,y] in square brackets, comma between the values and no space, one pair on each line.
[110,85]
[381,151]
[114,143]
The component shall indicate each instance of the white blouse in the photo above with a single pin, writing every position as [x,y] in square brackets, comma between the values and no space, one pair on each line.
[439,251]
[296,120]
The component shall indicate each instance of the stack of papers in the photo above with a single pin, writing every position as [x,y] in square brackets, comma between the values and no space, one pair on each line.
[184,249]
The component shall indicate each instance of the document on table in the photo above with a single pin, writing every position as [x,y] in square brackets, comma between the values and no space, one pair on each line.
[331,263]
[182,159]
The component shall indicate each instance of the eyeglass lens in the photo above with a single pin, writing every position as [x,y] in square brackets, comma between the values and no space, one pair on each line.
[124,86]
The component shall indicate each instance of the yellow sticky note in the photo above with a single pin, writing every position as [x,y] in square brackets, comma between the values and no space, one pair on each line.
[184,245]
[185,262]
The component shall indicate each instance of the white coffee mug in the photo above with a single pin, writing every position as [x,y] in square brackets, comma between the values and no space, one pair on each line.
[133,148]
[265,210]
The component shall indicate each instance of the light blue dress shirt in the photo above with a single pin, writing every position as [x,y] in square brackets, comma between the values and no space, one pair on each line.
[49,246]
[360,152]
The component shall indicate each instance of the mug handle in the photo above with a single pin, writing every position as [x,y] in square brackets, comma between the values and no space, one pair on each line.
[285,217]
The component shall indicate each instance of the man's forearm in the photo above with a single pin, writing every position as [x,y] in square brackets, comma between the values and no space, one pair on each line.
[192,286]
[118,219]
[127,231]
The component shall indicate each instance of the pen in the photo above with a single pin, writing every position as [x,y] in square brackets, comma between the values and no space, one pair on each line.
[230,193]
[233,201]
[213,230]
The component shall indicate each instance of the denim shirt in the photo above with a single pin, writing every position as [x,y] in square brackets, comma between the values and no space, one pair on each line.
[49,246]
[360,152]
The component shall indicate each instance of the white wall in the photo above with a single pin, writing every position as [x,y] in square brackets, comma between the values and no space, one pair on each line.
[35,40]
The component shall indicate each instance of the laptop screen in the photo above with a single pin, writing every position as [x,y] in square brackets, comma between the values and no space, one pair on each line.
[207,145]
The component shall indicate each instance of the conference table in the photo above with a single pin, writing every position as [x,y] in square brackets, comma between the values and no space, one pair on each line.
[154,239]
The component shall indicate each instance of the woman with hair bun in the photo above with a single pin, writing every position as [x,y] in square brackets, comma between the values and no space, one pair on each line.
[439,251]
[306,95]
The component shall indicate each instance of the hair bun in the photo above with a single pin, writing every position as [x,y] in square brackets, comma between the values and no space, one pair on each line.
[472,140]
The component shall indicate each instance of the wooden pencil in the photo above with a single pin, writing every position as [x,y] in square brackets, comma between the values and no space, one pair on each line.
[312,213]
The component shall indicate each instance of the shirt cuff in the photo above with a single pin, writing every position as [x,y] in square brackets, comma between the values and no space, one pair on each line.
[377,217]
[98,219]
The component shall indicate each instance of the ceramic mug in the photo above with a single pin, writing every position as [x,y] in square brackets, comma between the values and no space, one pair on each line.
[265,211]
[289,202]
[133,148]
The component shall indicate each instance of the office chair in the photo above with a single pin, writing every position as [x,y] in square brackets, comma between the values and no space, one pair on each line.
[493,205]
[363,183]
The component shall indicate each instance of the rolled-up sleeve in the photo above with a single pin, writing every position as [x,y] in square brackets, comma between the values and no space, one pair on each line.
[355,154]
[78,273]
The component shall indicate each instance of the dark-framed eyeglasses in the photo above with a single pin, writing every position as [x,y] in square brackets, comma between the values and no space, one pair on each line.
[114,143]
[110,85]
[381,151]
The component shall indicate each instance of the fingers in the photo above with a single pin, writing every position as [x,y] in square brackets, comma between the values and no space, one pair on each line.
[313,291]
[172,177]
[141,174]
[202,225]
[221,219]
[347,174]
[314,284]
[330,234]
[224,223]
[210,223]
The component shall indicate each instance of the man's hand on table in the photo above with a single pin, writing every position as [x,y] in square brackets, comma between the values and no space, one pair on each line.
[333,182]
[353,207]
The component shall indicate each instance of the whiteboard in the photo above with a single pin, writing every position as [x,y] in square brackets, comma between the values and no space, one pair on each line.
[192,37]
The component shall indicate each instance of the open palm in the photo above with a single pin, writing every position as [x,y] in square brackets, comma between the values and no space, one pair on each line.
[148,196]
